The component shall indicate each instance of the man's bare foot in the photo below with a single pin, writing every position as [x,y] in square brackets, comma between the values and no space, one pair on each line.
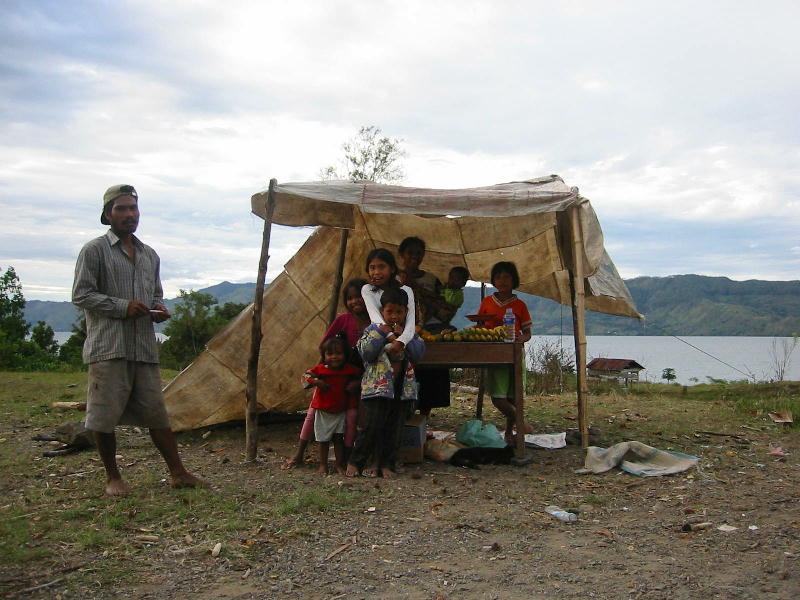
[322,470]
[370,472]
[352,470]
[291,463]
[388,473]
[187,480]
[340,469]
[116,487]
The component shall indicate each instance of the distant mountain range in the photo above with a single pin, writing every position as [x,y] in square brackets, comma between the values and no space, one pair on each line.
[674,305]
[61,315]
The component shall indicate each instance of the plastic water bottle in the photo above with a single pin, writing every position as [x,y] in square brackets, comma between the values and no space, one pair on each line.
[510,322]
[560,514]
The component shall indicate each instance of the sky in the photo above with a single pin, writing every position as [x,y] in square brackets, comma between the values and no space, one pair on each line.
[677,120]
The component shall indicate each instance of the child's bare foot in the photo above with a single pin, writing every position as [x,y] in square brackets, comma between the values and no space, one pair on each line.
[352,470]
[291,463]
[388,473]
[187,480]
[340,469]
[323,470]
[116,487]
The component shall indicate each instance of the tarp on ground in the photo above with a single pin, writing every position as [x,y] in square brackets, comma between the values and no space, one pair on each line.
[525,222]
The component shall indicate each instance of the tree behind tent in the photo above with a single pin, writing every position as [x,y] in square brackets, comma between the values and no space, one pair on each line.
[368,156]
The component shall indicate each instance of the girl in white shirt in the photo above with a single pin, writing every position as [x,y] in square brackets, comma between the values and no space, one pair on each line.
[381,275]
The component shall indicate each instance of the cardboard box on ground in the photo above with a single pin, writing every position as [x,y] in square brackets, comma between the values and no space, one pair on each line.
[412,440]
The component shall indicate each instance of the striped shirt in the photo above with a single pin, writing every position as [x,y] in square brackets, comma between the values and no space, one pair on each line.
[106,280]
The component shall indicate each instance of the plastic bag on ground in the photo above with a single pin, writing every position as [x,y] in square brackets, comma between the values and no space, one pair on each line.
[478,434]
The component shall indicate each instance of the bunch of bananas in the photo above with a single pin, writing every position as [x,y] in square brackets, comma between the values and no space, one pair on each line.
[469,334]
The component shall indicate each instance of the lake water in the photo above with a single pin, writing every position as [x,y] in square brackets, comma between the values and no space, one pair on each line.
[690,356]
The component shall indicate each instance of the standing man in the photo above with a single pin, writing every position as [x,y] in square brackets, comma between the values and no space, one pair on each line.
[117,284]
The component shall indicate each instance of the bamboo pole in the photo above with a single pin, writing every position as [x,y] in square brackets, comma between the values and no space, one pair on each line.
[519,400]
[337,284]
[579,324]
[481,375]
[251,413]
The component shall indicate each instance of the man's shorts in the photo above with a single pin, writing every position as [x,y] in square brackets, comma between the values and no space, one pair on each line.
[124,392]
[327,424]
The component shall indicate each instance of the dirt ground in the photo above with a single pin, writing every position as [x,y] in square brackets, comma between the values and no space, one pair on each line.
[442,532]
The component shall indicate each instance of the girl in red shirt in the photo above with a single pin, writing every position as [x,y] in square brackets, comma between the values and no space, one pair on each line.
[500,382]
[351,323]
[335,382]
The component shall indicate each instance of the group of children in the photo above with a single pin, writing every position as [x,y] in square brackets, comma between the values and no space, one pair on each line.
[368,356]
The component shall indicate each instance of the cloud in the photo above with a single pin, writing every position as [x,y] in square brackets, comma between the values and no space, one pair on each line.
[682,131]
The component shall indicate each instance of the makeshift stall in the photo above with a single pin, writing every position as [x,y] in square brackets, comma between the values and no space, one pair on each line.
[543,225]
[483,354]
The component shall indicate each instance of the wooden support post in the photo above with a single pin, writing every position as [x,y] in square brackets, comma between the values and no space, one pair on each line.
[481,375]
[579,323]
[251,413]
[519,399]
[337,284]
[520,458]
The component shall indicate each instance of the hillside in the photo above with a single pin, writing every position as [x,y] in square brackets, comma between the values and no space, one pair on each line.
[61,315]
[674,305]
[680,305]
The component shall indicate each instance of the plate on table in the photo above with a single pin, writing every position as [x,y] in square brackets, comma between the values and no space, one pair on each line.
[479,318]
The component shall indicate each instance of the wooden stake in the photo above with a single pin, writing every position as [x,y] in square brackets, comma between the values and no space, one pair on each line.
[251,413]
[519,399]
[337,284]
[481,375]
[579,323]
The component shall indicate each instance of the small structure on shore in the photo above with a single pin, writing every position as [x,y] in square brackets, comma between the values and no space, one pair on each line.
[622,370]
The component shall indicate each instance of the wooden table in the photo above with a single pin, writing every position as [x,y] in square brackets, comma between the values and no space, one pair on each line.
[483,354]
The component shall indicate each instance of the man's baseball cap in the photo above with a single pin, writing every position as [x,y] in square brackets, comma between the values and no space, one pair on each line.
[114,192]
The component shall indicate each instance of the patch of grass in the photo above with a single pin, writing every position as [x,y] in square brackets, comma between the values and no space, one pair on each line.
[315,499]
[92,537]
[16,535]
[28,397]
[596,500]
[116,522]
[76,513]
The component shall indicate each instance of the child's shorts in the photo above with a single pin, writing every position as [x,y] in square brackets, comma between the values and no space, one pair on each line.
[328,424]
[500,384]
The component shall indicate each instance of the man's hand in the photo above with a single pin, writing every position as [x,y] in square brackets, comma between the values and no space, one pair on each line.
[137,309]
[162,314]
